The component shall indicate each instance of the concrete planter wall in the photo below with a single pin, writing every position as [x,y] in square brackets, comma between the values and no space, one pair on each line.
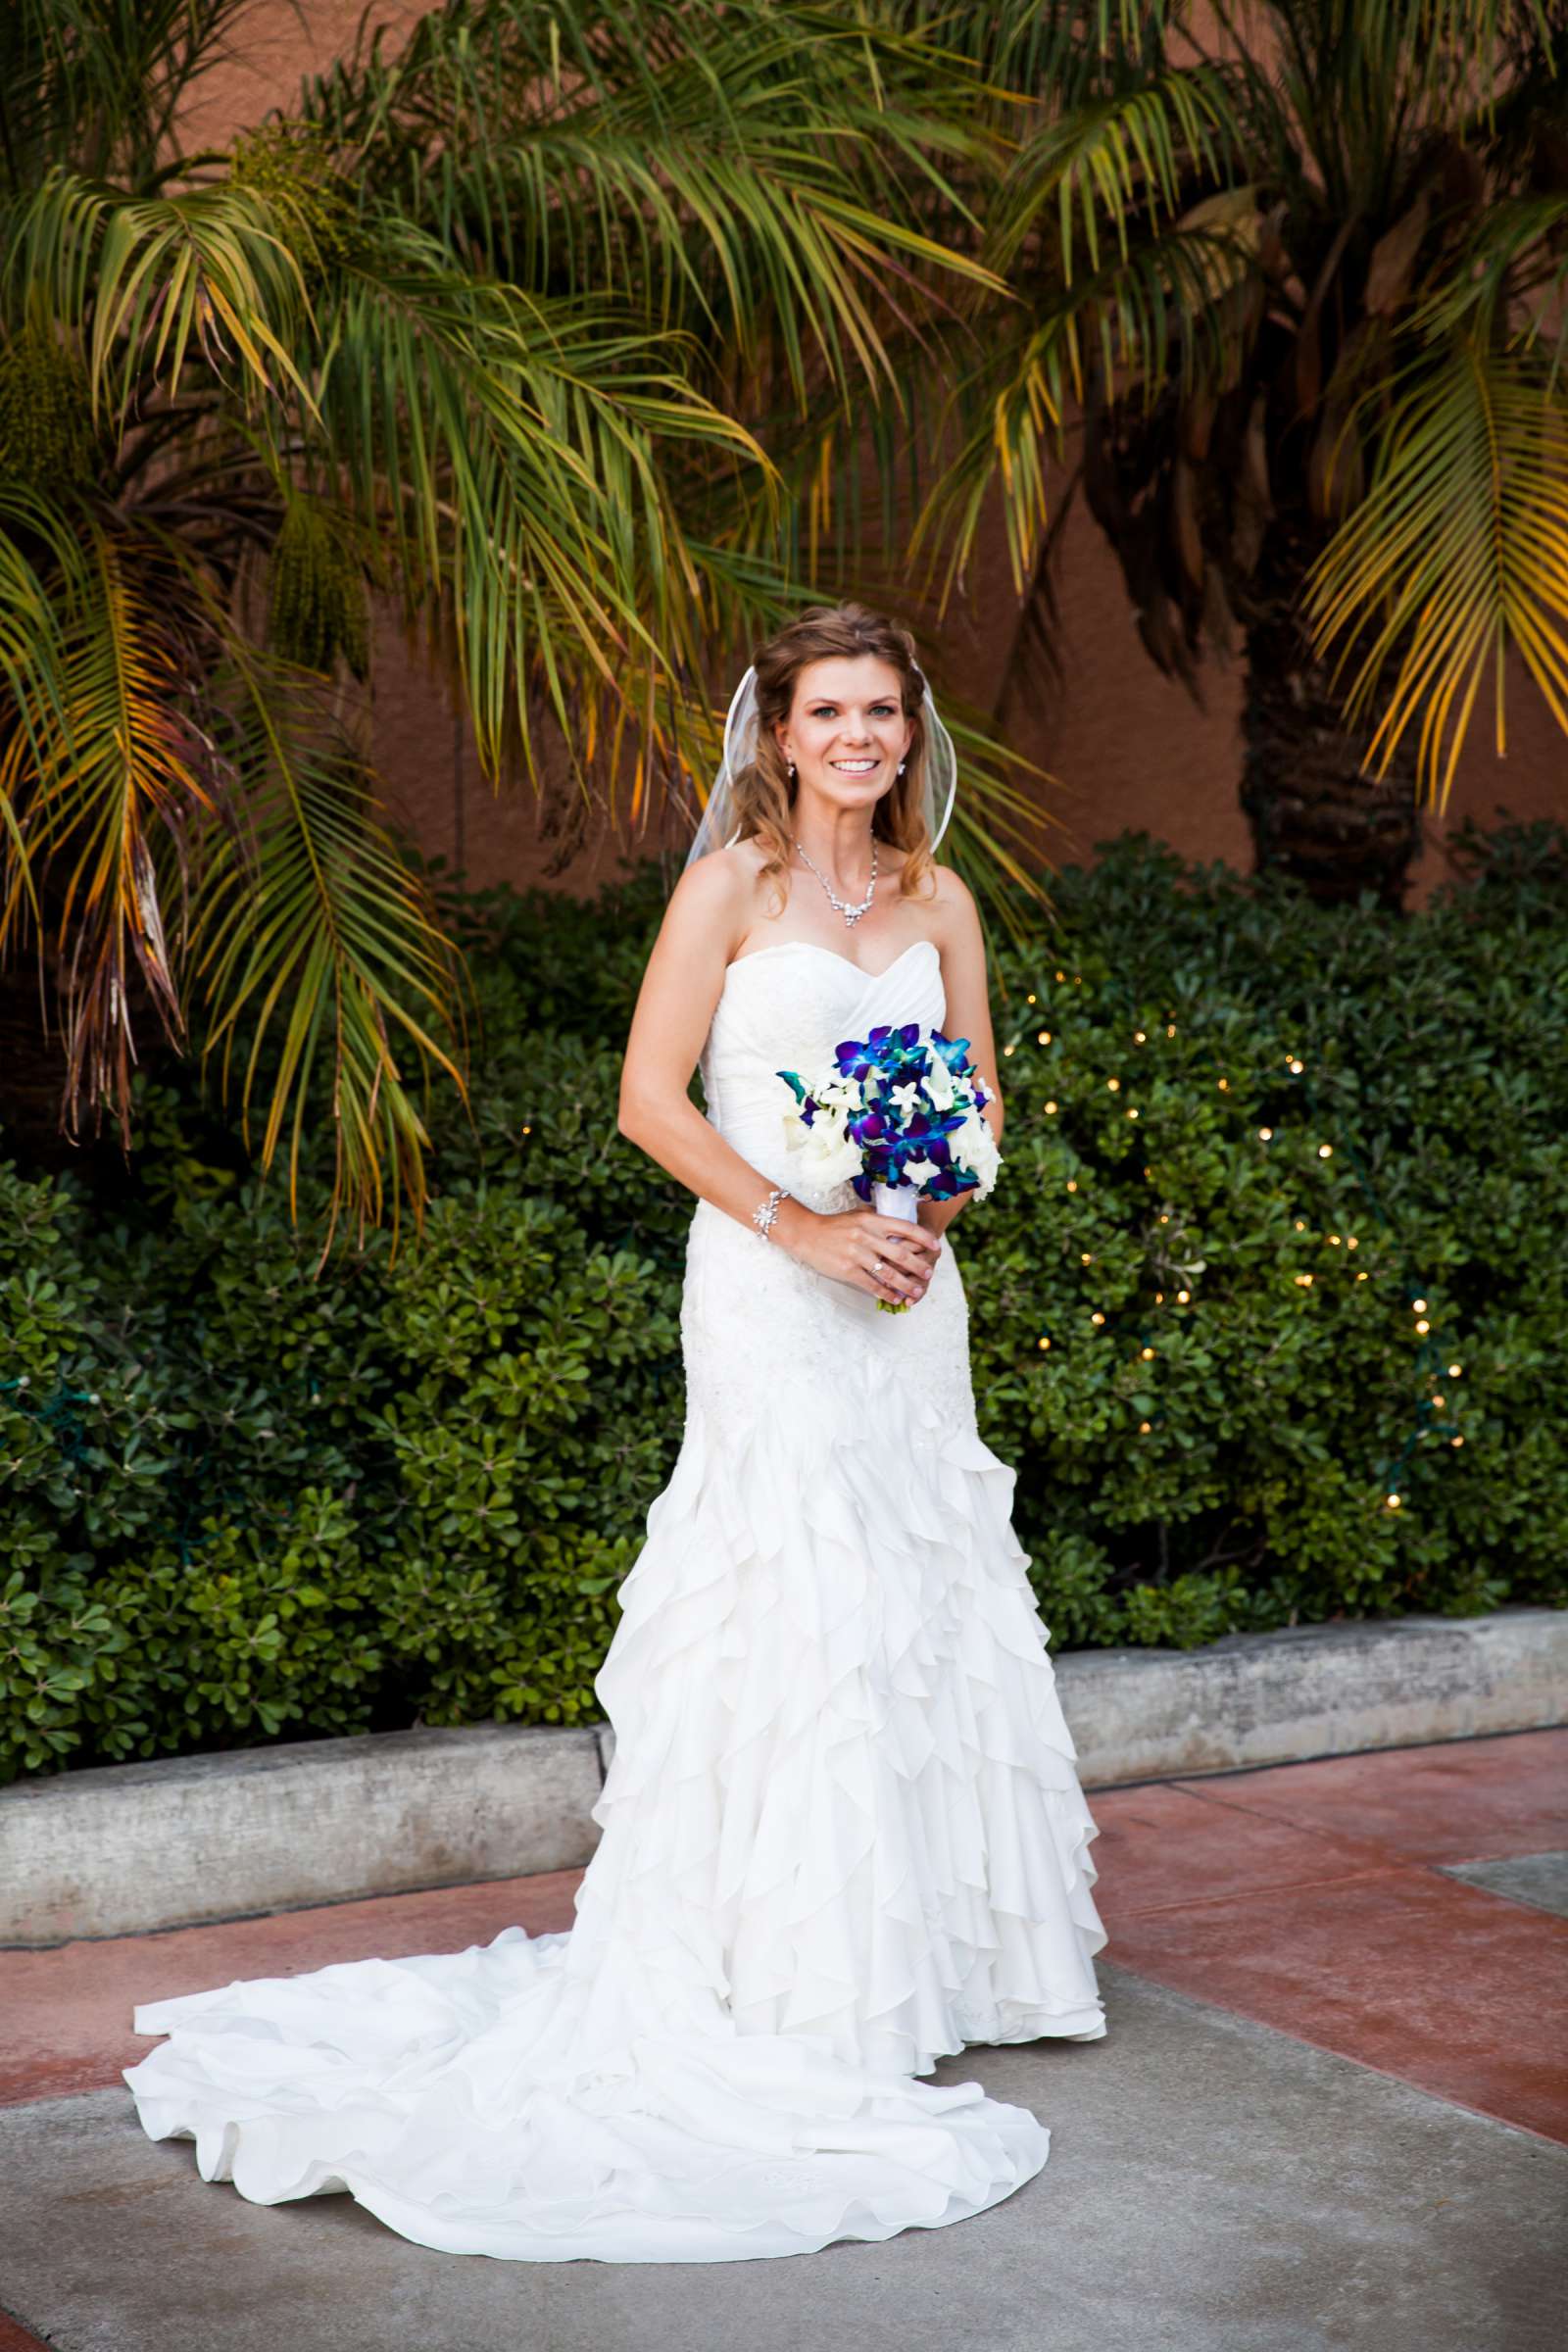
[141,1846]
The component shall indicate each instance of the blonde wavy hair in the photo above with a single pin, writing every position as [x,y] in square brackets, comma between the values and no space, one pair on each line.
[764,795]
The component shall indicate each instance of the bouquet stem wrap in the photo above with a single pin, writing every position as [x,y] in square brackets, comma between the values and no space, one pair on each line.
[895,1200]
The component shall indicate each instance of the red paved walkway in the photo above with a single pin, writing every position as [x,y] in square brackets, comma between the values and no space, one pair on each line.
[1308,1898]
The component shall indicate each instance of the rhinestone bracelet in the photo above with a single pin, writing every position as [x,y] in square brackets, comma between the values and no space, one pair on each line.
[765,1211]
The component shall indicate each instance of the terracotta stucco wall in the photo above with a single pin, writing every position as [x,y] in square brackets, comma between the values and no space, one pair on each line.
[1128,748]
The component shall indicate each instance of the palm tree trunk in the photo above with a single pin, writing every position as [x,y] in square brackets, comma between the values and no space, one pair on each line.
[1313,814]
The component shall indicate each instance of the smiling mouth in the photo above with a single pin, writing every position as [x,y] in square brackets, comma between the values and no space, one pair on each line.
[855,768]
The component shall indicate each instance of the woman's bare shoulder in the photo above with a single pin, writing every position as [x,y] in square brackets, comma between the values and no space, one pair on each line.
[715,893]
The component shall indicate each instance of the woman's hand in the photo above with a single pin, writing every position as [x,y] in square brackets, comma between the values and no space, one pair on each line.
[882,1255]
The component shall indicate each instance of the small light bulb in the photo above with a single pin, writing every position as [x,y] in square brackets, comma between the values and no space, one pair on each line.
[1419,1306]
[1114,1085]
[1148,1355]
[1423,1325]
[1454,1371]
[1456,1440]
[1045,1343]
[1051,1110]
[1097,1318]
[1132,1112]
[1086,1258]
[1394,1502]
[1265,1135]
[1137,1037]
[1072,1184]
[1144,1428]
[1182,1296]
[1325,1151]
[1029,1000]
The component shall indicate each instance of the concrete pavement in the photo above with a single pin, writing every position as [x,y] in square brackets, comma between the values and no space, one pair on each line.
[1330,2113]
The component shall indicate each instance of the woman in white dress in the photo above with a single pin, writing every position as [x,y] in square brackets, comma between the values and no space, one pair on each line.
[842,1831]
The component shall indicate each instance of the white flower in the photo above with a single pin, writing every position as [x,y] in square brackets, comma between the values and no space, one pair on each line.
[828,1157]
[920,1171]
[905,1096]
[974,1147]
[939,1081]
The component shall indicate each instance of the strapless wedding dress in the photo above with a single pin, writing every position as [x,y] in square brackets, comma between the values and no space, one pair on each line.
[842,1831]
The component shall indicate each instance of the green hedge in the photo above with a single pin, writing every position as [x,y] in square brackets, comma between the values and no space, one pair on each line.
[241,1503]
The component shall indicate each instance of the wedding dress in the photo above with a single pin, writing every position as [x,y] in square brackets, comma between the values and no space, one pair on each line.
[842,1832]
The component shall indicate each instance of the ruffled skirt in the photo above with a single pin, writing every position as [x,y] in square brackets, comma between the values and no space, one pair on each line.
[842,1836]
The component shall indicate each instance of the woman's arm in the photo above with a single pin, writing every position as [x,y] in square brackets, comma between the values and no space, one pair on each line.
[968,1011]
[710,911]
[707,913]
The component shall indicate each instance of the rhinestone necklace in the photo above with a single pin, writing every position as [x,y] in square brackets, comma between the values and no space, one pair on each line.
[850,915]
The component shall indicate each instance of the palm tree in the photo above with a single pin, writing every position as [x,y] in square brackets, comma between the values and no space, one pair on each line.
[1302,293]
[465,336]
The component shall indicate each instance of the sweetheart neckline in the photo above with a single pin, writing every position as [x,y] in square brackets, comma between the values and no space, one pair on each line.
[780,946]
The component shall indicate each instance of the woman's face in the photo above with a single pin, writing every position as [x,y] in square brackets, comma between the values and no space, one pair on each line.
[846,731]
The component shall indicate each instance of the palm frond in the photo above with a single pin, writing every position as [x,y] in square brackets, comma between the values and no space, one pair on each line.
[516,452]
[99,83]
[148,281]
[1459,551]
[325,976]
[1177,307]
[750,171]
[1127,154]
[101,761]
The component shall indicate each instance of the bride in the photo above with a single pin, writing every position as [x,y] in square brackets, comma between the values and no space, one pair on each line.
[842,1832]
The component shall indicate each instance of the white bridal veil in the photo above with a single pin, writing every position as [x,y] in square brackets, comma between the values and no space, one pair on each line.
[719,827]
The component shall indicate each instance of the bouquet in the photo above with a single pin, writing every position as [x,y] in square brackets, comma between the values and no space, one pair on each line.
[898,1116]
